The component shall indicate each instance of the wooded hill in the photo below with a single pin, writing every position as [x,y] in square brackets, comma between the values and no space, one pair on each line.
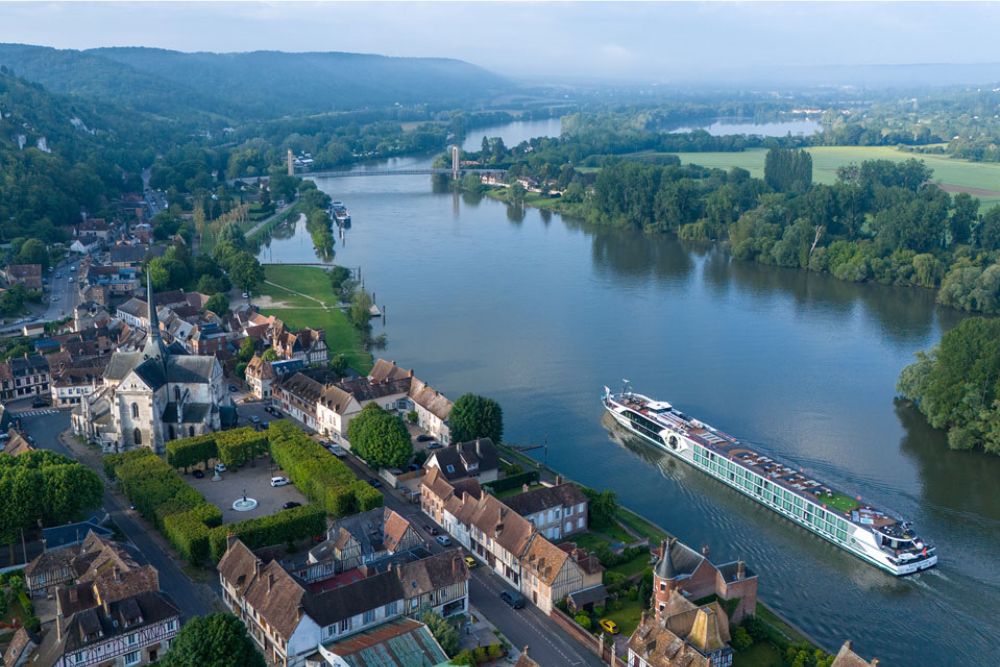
[254,85]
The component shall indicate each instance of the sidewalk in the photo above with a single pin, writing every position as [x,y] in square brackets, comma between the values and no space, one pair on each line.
[478,631]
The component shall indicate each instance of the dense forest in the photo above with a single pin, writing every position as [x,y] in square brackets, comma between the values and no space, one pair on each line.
[957,385]
[255,85]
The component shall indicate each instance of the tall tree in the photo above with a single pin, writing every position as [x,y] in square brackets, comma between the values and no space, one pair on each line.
[476,417]
[217,640]
[380,438]
[788,170]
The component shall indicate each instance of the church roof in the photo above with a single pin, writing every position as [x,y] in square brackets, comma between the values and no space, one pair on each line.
[121,364]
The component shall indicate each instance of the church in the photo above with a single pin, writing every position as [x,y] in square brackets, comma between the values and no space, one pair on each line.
[154,395]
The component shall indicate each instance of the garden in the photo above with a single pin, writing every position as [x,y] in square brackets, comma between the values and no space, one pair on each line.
[194,526]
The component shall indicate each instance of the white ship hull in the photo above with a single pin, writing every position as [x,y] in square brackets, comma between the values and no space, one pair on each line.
[858,541]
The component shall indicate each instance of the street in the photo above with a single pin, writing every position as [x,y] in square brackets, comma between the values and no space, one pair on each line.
[192,599]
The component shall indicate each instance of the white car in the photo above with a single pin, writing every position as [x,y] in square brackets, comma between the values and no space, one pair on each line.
[220,467]
[279,481]
[443,540]
[246,295]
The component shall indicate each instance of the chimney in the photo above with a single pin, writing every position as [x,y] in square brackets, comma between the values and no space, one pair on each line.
[663,549]
[524,652]
[117,573]
[270,581]
[741,570]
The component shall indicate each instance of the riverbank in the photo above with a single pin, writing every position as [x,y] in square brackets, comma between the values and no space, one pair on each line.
[780,632]
[302,296]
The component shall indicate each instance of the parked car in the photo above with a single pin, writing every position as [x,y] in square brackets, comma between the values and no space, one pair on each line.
[246,295]
[423,437]
[220,467]
[435,445]
[443,540]
[279,481]
[515,600]
[609,626]
[38,403]
[265,424]
[471,562]
[290,504]
[375,483]
[199,474]
[337,451]
[232,387]
[431,529]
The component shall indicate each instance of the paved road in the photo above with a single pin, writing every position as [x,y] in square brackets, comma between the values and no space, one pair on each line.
[193,599]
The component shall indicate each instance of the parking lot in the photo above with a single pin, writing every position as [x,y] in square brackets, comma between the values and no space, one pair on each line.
[257,483]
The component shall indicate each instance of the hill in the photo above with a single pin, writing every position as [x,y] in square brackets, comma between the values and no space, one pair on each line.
[254,85]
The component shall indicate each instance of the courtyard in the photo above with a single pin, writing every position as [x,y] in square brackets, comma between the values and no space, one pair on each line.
[256,481]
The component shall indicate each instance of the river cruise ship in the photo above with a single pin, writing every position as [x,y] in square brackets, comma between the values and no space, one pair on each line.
[870,533]
[340,214]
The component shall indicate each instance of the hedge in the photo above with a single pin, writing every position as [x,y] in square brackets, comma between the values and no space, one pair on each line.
[285,526]
[239,446]
[189,531]
[322,478]
[187,452]
[513,482]
[150,484]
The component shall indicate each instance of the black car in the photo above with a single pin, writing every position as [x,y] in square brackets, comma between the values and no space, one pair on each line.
[423,437]
[232,387]
[430,529]
[38,403]
[290,504]
[435,445]
[375,483]
[515,600]
[199,474]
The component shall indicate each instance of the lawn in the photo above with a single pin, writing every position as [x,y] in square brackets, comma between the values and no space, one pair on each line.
[627,617]
[761,654]
[288,284]
[838,501]
[981,177]
[513,492]
[589,541]
[634,566]
[638,524]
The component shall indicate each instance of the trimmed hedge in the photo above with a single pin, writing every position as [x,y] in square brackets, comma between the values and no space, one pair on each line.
[186,452]
[513,482]
[150,484]
[285,526]
[322,478]
[189,531]
[240,446]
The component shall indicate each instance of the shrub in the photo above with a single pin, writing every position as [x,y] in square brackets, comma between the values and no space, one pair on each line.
[322,478]
[189,531]
[583,620]
[742,639]
[463,658]
[513,482]
[187,452]
[240,446]
[285,526]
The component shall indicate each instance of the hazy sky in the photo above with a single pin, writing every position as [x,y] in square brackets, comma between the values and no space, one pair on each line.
[651,41]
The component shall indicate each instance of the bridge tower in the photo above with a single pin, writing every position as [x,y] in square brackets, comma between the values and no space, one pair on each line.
[455,163]
[291,163]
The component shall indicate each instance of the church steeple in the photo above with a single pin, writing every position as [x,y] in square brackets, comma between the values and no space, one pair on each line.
[154,348]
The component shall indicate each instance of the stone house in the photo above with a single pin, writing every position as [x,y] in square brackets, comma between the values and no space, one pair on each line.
[259,376]
[24,376]
[681,634]
[557,512]
[681,568]
[29,275]
[360,539]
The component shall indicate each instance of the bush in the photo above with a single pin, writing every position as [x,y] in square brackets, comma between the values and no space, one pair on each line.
[240,446]
[583,620]
[322,478]
[513,482]
[281,528]
[187,452]
[189,531]
[463,658]
[742,639]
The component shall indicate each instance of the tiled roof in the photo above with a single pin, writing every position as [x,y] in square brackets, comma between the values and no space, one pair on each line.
[428,574]
[394,529]
[846,657]
[455,461]
[507,528]
[23,641]
[545,559]
[430,399]
[402,642]
[545,498]
[388,370]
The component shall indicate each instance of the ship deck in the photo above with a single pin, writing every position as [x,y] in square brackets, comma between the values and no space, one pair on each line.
[774,471]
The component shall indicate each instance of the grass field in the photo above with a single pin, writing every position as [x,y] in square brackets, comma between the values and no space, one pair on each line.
[981,179]
[761,654]
[301,296]
[627,617]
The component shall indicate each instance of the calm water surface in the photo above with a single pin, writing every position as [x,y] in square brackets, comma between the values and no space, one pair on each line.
[541,312]
[724,126]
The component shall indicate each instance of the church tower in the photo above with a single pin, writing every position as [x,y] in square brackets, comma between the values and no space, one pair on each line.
[154,347]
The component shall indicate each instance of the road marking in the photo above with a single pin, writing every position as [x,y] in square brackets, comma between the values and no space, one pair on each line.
[34,413]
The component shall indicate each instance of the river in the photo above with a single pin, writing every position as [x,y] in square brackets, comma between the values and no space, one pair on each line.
[540,312]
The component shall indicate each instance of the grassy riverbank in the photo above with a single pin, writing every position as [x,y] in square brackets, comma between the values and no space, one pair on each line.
[302,296]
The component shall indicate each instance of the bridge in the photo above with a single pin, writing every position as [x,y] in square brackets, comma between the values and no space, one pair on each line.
[399,172]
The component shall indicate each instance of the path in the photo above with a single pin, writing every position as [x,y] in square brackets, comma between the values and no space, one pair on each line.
[311,298]
[266,221]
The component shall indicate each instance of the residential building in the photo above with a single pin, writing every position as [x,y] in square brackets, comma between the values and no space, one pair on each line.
[298,396]
[154,395]
[846,657]
[29,275]
[24,376]
[289,619]
[85,245]
[128,256]
[360,539]
[402,642]
[557,512]
[681,568]
[476,458]
[72,383]
[507,542]
[119,281]
[94,227]
[21,646]
[309,345]
[15,443]
[92,560]
[433,408]
[681,635]
[260,375]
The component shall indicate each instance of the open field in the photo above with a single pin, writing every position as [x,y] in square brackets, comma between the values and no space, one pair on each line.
[301,296]
[981,179]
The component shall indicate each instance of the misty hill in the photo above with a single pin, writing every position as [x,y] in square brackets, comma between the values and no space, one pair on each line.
[258,84]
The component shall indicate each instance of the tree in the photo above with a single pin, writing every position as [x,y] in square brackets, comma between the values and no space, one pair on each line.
[245,271]
[361,306]
[217,640]
[476,417]
[963,217]
[380,438]
[270,355]
[246,349]
[602,507]
[33,252]
[788,170]
[443,631]
[218,303]
[988,232]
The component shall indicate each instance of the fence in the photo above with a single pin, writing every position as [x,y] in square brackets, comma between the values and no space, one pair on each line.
[604,650]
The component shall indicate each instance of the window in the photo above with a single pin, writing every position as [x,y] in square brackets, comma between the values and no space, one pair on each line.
[132,639]
[171,625]
[451,468]
[135,411]
[191,431]
[369,617]
[345,625]
[137,436]
[78,658]
[132,658]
